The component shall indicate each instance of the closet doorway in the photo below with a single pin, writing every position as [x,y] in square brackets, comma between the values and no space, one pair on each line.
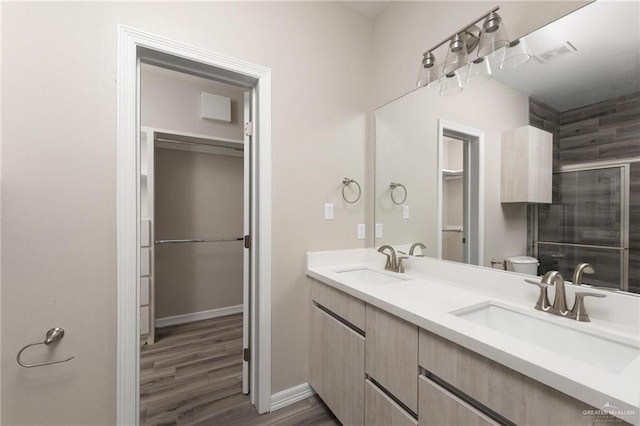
[460,236]
[136,47]
[195,243]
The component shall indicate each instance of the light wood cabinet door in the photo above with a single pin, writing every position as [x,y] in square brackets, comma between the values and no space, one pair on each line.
[518,398]
[527,165]
[336,370]
[380,410]
[439,407]
[343,305]
[392,355]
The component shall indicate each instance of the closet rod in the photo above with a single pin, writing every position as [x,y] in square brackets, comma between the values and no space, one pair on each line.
[204,240]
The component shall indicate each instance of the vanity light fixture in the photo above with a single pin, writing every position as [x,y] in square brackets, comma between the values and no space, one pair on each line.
[458,53]
[451,84]
[429,75]
[479,71]
[494,36]
[515,55]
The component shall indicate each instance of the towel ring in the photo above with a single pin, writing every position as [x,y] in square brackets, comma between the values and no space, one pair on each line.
[53,335]
[394,186]
[346,182]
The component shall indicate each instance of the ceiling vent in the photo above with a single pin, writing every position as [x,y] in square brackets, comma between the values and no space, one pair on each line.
[555,53]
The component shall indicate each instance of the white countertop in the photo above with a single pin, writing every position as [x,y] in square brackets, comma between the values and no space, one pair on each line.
[432,289]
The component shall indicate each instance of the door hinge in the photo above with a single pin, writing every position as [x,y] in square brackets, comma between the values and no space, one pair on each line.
[248,128]
[246,354]
[247,241]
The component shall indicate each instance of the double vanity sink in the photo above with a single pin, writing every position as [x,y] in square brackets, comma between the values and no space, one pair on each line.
[492,313]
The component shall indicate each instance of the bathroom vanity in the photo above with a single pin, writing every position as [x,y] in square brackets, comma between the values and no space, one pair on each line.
[446,343]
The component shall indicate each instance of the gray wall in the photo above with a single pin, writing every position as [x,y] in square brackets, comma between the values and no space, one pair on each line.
[198,195]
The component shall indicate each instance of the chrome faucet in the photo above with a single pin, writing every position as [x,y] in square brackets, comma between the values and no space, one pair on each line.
[559,307]
[582,268]
[394,263]
[392,260]
[413,247]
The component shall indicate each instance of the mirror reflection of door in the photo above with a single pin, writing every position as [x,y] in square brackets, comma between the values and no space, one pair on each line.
[453,200]
[460,198]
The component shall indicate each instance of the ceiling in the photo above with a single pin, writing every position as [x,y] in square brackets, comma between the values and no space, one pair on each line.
[370,9]
[605,65]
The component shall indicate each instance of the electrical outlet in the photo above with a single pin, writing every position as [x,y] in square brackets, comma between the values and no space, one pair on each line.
[361,234]
[405,212]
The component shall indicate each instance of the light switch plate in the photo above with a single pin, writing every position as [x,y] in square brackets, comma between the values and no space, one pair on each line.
[328,211]
[405,211]
[361,229]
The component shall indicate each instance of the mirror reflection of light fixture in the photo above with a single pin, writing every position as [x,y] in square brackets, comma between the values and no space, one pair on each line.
[479,71]
[428,75]
[457,55]
[451,84]
[493,37]
[515,55]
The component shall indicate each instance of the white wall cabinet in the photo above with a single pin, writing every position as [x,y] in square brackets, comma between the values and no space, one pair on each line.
[527,166]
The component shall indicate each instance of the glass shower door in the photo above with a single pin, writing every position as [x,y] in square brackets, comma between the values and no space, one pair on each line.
[586,223]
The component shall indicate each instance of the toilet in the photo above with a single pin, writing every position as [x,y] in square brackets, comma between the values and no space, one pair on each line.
[522,264]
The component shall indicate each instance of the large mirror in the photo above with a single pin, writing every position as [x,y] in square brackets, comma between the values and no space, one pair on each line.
[438,158]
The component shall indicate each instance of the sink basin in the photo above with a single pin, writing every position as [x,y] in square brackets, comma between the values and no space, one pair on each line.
[369,276]
[596,350]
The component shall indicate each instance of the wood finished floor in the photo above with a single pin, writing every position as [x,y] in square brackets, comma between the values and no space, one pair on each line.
[192,375]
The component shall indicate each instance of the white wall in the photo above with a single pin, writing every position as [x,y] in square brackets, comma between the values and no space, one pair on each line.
[172,100]
[59,173]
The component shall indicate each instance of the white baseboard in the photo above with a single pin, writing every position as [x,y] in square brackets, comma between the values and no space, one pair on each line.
[291,396]
[198,316]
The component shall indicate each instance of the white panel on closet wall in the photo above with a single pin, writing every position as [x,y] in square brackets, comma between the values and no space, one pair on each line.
[144,232]
[144,261]
[144,291]
[144,320]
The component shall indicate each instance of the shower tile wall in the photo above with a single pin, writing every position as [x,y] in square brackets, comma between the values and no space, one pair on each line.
[602,131]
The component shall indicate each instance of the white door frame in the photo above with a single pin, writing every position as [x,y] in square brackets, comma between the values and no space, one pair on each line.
[477,176]
[128,208]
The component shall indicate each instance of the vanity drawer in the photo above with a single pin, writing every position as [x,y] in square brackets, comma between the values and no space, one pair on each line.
[346,307]
[499,388]
[380,410]
[439,407]
[516,397]
[392,355]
